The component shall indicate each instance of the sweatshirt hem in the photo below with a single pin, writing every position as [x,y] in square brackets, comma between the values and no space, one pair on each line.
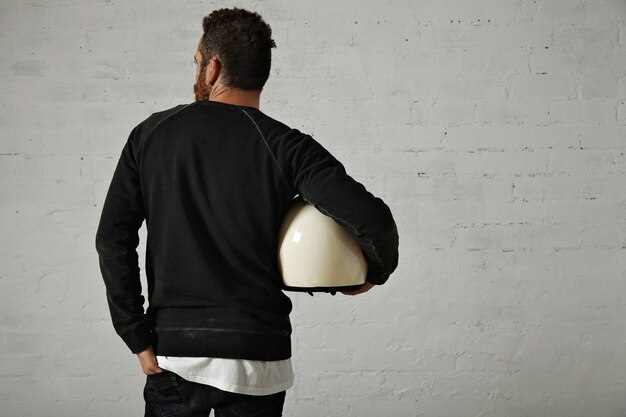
[222,343]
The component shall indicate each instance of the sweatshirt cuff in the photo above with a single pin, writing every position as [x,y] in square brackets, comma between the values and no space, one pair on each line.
[139,338]
[376,279]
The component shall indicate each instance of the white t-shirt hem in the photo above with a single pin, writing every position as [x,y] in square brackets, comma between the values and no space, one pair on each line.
[241,389]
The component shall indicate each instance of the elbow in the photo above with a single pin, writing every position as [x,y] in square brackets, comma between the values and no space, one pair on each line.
[101,242]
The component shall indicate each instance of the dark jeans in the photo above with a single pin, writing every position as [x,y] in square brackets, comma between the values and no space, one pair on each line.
[168,394]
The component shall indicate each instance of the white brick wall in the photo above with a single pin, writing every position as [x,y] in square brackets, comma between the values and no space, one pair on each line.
[494,129]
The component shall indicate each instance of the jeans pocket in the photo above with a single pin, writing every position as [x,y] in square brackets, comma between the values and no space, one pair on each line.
[163,394]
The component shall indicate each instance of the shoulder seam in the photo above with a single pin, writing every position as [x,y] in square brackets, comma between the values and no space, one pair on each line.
[265,142]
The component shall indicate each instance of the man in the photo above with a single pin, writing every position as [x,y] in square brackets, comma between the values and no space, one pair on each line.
[213,180]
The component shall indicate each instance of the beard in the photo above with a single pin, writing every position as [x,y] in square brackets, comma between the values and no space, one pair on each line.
[200,89]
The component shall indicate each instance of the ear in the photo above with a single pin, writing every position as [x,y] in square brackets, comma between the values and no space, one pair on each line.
[213,72]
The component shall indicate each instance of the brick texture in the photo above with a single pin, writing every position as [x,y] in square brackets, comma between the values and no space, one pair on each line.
[494,129]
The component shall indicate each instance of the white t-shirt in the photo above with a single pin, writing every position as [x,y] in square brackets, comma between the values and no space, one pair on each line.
[242,376]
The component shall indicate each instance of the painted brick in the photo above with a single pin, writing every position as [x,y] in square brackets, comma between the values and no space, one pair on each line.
[494,129]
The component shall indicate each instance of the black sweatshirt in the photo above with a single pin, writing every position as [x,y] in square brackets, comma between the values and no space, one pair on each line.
[214,182]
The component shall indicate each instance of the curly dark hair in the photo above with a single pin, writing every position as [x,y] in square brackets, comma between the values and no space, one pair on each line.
[242,42]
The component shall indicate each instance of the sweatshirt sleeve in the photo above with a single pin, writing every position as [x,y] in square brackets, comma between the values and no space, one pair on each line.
[116,242]
[322,181]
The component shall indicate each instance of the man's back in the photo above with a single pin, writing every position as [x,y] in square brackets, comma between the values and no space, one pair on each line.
[215,198]
[215,181]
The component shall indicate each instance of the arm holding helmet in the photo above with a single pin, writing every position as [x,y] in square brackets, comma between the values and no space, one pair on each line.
[321,180]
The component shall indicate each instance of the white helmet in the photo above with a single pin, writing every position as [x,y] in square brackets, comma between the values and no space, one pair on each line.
[316,253]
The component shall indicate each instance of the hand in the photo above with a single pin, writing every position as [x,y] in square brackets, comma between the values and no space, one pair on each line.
[368,285]
[148,361]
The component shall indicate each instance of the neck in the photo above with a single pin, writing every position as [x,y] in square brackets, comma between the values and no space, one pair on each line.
[237,97]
